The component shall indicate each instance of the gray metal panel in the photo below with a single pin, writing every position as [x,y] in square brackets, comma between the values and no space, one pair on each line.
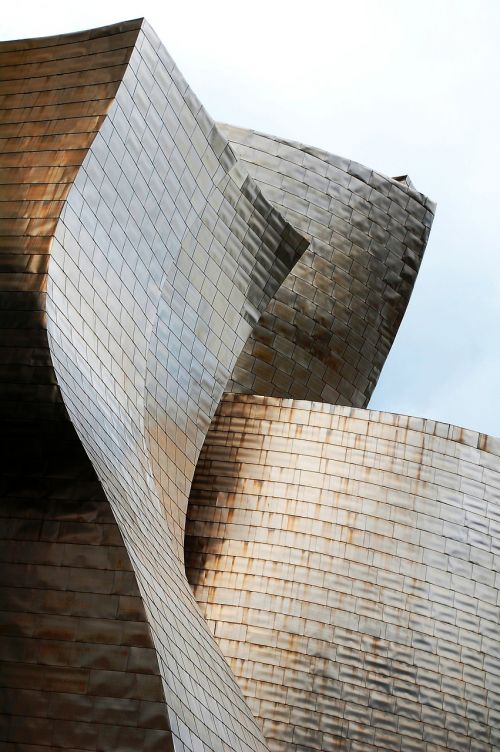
[165,254]
[348,563]
[329,328]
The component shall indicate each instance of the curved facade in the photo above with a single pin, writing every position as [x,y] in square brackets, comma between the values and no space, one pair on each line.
[122,183]
[178,252]
[348,562]
[328,330]
[78,668]
[55,93]
[345,562]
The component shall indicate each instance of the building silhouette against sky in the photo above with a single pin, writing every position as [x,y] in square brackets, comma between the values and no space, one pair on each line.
[208,542]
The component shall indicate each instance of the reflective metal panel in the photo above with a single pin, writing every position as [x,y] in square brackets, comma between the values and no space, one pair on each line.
[328,330]
[164,256]
[347,562]
[54,95]
[78,667]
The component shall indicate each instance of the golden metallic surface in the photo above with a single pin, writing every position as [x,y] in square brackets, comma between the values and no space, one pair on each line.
[328,330]
[345,560]
[164,255]
[348,563]
[113,174]
[77,666]
[54,95]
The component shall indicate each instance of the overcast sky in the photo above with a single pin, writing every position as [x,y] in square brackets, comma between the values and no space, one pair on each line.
[403,87]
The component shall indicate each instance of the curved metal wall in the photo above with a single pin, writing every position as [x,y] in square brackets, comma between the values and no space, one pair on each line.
[54,95]
[329,328]
[348,563]
[78,668]
[165,254]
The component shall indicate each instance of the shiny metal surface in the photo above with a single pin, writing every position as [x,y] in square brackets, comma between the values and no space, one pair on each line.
[164,256]
[348,563]
[54,95]
[328,330]
[77,667]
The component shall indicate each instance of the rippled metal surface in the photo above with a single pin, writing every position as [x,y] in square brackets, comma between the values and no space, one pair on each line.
[54,95]
[328,330]
[164,256]
[77,664]
[348,563]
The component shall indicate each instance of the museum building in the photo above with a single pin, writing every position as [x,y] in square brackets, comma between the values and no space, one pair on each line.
[208,541]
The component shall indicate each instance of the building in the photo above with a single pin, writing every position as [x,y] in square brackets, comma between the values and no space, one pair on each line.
[159,270]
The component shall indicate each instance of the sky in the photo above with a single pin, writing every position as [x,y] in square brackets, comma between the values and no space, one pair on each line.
[402,87]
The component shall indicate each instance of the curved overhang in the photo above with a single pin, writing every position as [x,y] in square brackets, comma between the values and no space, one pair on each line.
[158,251]
[328,330]
[164,256]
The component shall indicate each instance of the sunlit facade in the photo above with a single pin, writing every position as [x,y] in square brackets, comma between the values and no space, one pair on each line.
[170,287]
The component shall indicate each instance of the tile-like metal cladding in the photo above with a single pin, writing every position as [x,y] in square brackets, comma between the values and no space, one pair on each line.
[54,95]
[328,330]
[164,257]
[348,562]
[78,669]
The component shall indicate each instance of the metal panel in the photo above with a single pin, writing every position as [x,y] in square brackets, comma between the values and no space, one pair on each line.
[48,119]
[164,256]
[328,330]
[108,160]
[78,667]
[348,564]
[78,664]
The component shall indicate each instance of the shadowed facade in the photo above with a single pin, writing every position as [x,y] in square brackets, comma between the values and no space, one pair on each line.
[96,209]
[78,669]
